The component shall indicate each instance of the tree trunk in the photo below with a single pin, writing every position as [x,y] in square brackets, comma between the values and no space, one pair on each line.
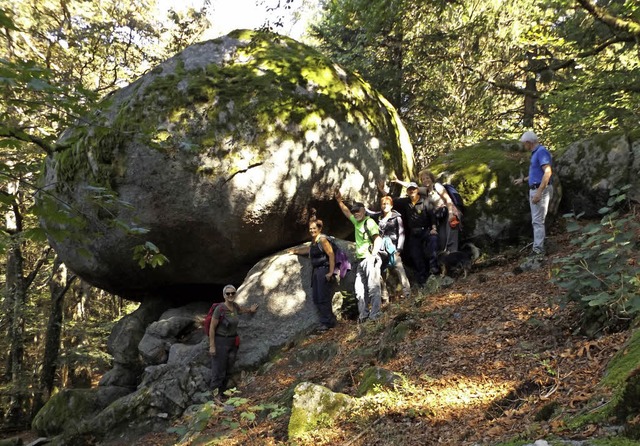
[58,286]
[16,293]
[528,118]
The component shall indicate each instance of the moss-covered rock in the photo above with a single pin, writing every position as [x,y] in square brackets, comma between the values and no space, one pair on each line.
[314,406]
[375,378]
[218,152]
[65,409]
[591,168]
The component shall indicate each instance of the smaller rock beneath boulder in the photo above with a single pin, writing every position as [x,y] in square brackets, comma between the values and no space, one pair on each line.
[312,404]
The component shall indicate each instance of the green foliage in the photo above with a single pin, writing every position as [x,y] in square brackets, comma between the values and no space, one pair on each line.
[465,71]
[603,275]
[149,254]
[237,412]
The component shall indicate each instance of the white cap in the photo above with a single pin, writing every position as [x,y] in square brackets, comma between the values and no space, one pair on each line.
[528,137]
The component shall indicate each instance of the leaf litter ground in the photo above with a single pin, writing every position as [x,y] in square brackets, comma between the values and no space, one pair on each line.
[490,359]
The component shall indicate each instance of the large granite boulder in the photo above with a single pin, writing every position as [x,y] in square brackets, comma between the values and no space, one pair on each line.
[214,157]
[496,211]
[591,168]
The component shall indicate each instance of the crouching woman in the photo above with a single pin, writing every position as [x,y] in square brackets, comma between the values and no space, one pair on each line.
[224,340]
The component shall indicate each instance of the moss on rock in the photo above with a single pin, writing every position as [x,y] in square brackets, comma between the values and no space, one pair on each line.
[269,87]
[64,410]
[314,406]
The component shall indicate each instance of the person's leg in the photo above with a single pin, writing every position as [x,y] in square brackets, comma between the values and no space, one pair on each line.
[442,224]
[384,288]
[232,354]
[219,364]
[373,285]
[432,253]
[402,275]
[417,257]
[452,244]
[363,310]
[538,216]
[322,297]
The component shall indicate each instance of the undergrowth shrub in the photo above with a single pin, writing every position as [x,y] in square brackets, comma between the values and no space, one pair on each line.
[602,275]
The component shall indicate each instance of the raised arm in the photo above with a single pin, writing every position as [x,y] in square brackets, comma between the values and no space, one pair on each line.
[343,207]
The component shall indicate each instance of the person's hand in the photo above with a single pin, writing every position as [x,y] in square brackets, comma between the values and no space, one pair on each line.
[536,198]
[518,181]
[212,351]
[328,276]
[291,251]
[338,195]
[253,308]
[433,231]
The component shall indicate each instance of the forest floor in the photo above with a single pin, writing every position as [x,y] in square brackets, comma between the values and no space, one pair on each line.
[491,359]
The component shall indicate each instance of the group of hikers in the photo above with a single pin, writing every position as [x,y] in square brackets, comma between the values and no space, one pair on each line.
[418,227]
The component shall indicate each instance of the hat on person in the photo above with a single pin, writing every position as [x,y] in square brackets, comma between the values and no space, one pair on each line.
[356,206]
[412,185]
[528,137]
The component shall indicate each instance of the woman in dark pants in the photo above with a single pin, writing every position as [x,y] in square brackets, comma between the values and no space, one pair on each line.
[223,338]
[323,261]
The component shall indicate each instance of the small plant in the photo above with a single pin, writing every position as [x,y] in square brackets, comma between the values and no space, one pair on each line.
[149,254]
[234,414]
[603,275]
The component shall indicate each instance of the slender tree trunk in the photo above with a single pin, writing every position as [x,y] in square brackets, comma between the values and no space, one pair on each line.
[528,118]
[59,284]
[531,88]
[16,292]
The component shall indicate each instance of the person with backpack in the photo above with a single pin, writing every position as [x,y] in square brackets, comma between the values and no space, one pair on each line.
[369,262]
[392,227]
[422,242]
[223,338]
[323,261]
[448,215]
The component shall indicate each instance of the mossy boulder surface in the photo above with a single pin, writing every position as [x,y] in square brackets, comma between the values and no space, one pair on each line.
[64,409]
[218,153]
[591,168]
[495,210]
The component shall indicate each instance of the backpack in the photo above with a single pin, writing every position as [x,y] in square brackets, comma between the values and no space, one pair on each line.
[342,263]
[387,250]
[206,324]
[455,197]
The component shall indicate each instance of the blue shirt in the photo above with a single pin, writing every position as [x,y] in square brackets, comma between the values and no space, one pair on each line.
[539,157]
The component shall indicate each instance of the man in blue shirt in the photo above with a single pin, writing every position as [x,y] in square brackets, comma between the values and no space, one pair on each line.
[540,187]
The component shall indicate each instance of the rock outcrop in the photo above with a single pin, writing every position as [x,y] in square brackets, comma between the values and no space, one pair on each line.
[590,169]
[214,157]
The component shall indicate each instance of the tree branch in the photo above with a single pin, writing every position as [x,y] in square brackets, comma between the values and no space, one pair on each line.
[7,132]
[610,20]
[32,275]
